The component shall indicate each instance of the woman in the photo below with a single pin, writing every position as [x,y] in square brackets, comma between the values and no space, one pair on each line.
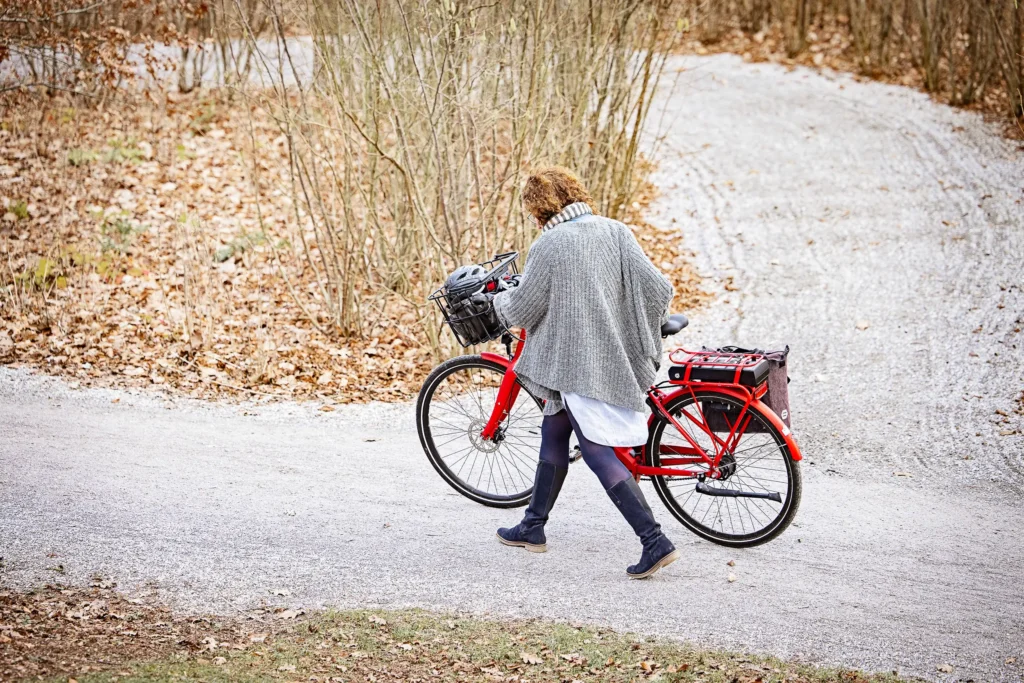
[592,304]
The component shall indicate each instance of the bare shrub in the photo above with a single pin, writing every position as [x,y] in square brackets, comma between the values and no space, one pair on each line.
[968,51]
[214,52]
[871,26]
[411,128]
[82,47]
[93,47]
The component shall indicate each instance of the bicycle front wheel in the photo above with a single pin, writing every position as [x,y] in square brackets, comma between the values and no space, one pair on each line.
[758,463]
[453,406]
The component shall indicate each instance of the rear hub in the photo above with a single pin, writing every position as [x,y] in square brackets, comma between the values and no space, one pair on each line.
[727,467]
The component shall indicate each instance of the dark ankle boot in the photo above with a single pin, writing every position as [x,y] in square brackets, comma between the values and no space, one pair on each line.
[658,550]
[529,533]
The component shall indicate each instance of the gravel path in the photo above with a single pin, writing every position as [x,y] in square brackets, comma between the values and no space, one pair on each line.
[832,205]
[219,507]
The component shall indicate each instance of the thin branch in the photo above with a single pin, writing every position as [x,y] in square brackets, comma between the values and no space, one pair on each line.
[39,84]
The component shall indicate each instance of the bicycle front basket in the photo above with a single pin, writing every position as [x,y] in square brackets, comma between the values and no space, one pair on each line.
[474,323]
[471,323]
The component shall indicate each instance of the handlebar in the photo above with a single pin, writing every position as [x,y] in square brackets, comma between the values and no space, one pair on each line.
[504,261]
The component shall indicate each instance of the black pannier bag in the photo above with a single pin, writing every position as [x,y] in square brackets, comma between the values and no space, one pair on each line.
[777,397]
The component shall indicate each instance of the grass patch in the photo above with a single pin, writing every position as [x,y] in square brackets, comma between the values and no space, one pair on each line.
[100,637]
[117,234]
[123,150]
[20,210]
[117,151]
[82,157]
[239,246]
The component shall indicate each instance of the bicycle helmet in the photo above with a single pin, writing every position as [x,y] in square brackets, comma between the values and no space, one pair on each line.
[464,281]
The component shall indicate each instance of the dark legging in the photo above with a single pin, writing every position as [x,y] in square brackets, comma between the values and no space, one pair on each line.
[554,448]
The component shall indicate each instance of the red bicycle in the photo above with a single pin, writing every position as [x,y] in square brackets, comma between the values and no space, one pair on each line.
[722,462]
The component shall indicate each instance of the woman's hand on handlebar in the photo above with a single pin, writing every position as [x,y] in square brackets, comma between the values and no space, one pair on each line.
[481,298]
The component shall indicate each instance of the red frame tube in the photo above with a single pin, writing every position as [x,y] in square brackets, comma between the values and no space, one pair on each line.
[634,460]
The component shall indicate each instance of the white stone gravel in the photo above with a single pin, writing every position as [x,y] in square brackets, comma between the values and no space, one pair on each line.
[216,506]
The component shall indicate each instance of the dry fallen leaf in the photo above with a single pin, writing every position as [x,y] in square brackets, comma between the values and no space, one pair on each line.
[863,324]
[379,621]
[731,563]
[944,668]
[732,578]
[229,327]
[530,658]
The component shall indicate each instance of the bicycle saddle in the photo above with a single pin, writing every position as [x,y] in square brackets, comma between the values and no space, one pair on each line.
[675,322]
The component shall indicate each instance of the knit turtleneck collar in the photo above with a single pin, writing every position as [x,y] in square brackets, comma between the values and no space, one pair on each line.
[574,210]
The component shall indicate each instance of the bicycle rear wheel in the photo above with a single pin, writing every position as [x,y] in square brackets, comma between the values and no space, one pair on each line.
[453,406]
[758,463]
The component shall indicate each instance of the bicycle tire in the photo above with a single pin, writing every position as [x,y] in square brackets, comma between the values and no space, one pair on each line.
[521,458]
[662,484]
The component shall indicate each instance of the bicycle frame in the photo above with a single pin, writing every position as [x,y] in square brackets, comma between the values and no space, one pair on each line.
[680,456]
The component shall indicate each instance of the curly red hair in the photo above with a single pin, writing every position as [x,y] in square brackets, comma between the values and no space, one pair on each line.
[550,190]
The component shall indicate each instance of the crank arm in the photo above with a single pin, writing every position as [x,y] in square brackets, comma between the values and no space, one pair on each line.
[733,493]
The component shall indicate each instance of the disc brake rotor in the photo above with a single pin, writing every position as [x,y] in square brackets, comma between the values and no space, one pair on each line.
[481,444]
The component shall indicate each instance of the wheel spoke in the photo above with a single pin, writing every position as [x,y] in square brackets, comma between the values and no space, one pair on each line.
[757,464]
[457,409]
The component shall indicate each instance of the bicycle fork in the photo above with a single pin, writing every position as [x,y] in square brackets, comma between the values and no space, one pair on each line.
[508,391]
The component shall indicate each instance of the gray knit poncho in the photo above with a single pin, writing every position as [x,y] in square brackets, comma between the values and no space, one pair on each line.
[592,304]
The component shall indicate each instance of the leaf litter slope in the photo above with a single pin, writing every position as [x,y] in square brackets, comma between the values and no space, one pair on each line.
[133,253]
